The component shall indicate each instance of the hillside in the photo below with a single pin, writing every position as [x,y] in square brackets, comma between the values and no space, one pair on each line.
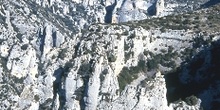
[63,55]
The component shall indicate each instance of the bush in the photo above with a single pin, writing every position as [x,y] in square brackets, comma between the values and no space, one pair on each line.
[152,64]
[128,55]
[192,100]
[163,50]
[36,98]
[125,33]
[171,64]
[170,49]
[146,52]
[143,83]
[112,58]
[132,35]
[167,57]
[163,29]
[24,47]
[62,54]
[124,78]
[103,74]
[3,63]
[164,60]
[127,75]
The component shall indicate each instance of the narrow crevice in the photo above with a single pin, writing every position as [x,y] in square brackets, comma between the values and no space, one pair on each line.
[85,71]
[54,36]
[109,12]
[138,100]
[59,88]
[123,2]
[76,48]
[152,9]
[42,39]
[102,2]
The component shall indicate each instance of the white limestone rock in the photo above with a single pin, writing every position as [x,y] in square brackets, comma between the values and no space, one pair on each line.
[58,34]
[159,7]
[153,96]
[22,63]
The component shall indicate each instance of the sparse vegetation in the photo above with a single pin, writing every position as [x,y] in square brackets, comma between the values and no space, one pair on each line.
[166,59]
[126,33]
[53,57]
[128,74]
[127,52]
[79,93]
[163,50]
[24,47]
[146,52]
[128,55]
[3,63]
[132,36]
[70,24]
[62,54]
[112,58]
[102,75]
[152,64]
[192,100]
[19,36]
[185,21]
[36,98]
[145,84]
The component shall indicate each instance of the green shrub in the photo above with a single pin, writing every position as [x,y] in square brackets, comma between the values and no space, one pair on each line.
[163,50]
[152,64]
[127,75]
[36,98]
[126,46]
[167,57]
[125,33]
[171,64]
[192,100]
[3,63]
[146,52]
[124,78]
[163,29]
[112,58]
[132,36]
[103,74]
[163,59]
[24,47]
[128,55]
[62,54]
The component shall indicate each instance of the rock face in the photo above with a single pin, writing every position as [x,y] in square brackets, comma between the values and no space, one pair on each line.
[61,55]
[159,7]
[151,96]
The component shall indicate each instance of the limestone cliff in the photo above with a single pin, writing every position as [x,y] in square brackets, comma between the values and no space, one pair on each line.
[62,55]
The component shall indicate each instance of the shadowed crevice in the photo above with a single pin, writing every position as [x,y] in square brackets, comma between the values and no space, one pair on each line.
[42,39]
[59,88]
[54,36]
[152,9]
[109,12]
[84,71]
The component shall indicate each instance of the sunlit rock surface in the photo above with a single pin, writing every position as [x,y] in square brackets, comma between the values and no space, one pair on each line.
[62,55]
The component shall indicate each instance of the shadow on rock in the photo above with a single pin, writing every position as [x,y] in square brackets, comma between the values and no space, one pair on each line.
[59,87]
[200,77]
[109,12]
[210,3]
[152,9]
